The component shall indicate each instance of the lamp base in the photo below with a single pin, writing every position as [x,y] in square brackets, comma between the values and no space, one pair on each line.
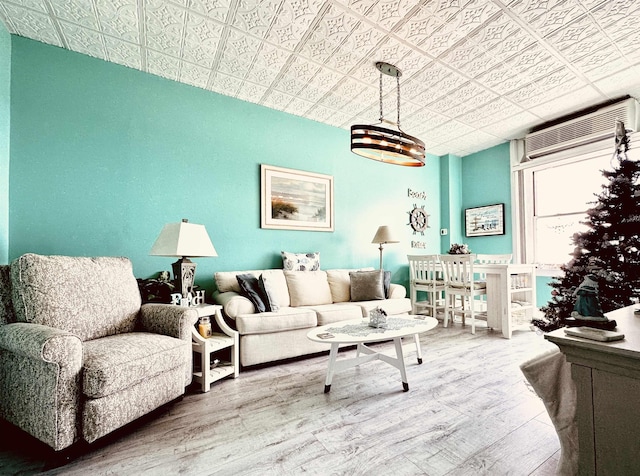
[184,272]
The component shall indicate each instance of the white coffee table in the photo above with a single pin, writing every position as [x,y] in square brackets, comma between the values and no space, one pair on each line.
[357,331]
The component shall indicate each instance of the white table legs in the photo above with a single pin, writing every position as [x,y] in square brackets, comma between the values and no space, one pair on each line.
[369,355]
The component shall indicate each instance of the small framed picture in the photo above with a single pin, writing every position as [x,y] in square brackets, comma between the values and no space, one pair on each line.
[484,221]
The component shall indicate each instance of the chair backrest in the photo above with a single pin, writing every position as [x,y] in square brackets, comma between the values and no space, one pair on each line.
[458,269]
[90,297]
[424,269]
[493,259]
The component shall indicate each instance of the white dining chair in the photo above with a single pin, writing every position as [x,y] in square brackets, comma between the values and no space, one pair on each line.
[426,275]
[460,282]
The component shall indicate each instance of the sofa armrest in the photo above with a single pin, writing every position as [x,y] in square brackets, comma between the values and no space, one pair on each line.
[397,291]
[234,304]
[40,389]
[168,319]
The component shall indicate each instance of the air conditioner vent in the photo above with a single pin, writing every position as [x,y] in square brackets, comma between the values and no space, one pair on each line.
[592,127]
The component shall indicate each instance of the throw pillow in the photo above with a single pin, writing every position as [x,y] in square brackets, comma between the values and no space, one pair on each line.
[268,293]
[308,288]
[386,282]
[367,285]
[300,261]
[250,288]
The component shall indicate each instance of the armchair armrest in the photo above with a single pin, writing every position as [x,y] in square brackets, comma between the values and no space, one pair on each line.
[40,390]
[42,343]
[168,319]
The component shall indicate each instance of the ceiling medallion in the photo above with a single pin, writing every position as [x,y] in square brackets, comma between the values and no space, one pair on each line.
[392,146]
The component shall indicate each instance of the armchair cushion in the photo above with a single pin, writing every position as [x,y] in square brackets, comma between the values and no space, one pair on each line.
[89,297]
[114,363]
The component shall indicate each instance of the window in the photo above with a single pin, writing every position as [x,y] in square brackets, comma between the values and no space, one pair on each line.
[552,196]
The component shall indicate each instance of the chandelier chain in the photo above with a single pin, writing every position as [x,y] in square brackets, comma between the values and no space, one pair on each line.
[398,105]
[380,88]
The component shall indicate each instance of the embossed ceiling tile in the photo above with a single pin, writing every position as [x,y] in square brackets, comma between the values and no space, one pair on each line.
[268,56]
[628,45]
[194,75]
[498,78]
[441,41]
[343,60]
[445,9]
[530,10]
[443,106]
[214,9]
[560,106]
[304,71]
[255,16]
[502,37]
[526,96]
[237,67]
[622,82]
[473,15]
[78,12]
[448,84]
[388,13]
[225,84]
[164,27]
[616,13]
[432,75]
[122,52]
[464,53]
[337,119]
[420,26]
[251,92]
[207,33]
[474,95]
[393,51]
[601,63]
[298,106]
[162,65]
[334,101]
[349,88]
[83,40]
[119,19]
[357,6]
[455,112]
[32,24]
[38,5]
[335,26]
[531,57]
[320,113]
[262,75]
[277,100]
[363,39]
[578,39]
[558,14]
[325,79]
[292,22]
[239,49]
[289,85]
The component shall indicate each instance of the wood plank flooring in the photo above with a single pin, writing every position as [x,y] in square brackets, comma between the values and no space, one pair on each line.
[469,411]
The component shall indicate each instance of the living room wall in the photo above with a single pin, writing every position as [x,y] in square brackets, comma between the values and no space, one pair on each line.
[102,156]
[5,114]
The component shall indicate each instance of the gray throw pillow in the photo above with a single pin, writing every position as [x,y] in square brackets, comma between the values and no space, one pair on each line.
[268,294]
[250,288]
[367,285]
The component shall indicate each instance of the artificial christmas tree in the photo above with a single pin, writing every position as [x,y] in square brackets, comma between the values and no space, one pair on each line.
[609,251]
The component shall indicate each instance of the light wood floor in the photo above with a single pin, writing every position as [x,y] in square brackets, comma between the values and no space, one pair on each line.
[469,411]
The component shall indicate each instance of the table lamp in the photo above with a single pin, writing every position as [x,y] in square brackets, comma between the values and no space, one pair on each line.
[383,236]
[183,239]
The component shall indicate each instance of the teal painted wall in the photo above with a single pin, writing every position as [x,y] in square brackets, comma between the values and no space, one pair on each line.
[103,156]
[5,128]
[485,181]
[451,196]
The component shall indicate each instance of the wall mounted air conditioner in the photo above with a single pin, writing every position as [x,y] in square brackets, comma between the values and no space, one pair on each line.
[589,128]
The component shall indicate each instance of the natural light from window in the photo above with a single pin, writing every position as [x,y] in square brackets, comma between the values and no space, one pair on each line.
[562,195]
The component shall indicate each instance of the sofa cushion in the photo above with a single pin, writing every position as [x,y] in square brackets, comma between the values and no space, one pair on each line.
[300,261]
[250,288]
[367,285]
[390,306]
[89,297]
[287,318]
[226,281]
[340,283]
[307,288]
[330,313]
[114,363]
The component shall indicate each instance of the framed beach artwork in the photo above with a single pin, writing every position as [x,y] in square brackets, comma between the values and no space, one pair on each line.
[484,221]
[295,200]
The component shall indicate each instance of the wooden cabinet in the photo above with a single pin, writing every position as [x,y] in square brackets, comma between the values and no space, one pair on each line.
[607,378]
[215,357]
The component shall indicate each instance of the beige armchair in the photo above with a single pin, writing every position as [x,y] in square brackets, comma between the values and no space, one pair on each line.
[79,355]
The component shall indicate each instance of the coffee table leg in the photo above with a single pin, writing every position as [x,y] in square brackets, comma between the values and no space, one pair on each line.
[416,337]
[333,355]
[400,357]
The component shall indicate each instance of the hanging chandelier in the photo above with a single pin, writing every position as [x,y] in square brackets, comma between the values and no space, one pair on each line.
[392,146]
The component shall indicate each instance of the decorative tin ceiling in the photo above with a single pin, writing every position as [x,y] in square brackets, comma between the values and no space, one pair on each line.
[475,72]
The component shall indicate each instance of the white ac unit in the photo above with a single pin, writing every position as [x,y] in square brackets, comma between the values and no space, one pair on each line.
[589,128]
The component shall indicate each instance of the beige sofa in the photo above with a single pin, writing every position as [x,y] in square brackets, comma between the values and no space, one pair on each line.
[306,299]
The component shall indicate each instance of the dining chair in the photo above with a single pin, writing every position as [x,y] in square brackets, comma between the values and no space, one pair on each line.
[460,282]
[426,275]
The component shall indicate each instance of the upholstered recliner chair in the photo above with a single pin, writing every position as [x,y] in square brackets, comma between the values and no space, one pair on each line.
[79,355]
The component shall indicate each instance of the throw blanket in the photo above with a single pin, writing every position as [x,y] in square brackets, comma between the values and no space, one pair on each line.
[550,376]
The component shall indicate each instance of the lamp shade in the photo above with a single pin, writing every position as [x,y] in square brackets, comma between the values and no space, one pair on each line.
[384,235]
[183,239]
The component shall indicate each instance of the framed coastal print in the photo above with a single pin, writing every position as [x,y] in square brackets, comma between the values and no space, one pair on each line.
[484,221]
[295,200]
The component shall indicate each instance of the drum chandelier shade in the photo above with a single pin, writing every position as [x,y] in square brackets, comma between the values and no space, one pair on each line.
[392,146]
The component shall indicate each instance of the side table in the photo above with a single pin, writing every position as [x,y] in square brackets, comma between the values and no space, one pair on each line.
[208,347]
